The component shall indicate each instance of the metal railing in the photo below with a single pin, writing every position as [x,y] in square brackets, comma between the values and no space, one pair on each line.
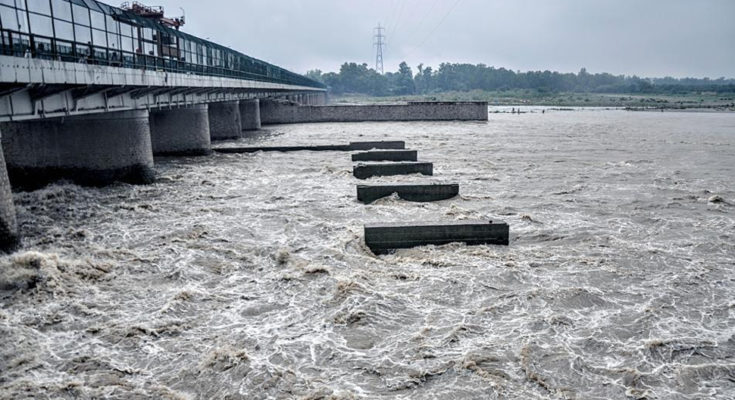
[20,44]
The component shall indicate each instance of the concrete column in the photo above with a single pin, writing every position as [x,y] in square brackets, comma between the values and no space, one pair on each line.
[181,131]
[8,224]
[250,114]
[224,120]
[94,149]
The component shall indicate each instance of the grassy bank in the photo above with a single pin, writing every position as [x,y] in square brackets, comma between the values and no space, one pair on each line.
[698,100]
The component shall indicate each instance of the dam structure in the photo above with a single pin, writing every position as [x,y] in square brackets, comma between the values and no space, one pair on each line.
[91,93]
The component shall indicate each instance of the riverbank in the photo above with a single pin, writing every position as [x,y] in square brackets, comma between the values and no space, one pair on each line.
[636,102]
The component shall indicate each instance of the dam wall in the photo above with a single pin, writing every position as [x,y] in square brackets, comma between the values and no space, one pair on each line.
[275,112]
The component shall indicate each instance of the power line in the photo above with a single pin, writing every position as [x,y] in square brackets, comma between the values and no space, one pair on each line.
[379,43]
[434,29]
[402,6]
[440,23]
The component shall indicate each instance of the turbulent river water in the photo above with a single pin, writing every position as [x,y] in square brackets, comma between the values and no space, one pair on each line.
[246,276]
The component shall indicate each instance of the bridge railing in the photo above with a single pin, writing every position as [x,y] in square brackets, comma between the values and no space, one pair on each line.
[48,48]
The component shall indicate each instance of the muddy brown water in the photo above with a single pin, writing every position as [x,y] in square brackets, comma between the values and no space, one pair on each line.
[245,276]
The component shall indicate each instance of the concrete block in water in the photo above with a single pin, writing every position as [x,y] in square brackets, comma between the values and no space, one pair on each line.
[382,239]
[388,144]
[368,194]
[337,147]
[284,149]
[364,171]
[386,155]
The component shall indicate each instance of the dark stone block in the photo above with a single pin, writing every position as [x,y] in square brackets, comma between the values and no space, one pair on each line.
[386,155]
[234,150]
[382,239]
[391,144]
[364,171]
[422,193]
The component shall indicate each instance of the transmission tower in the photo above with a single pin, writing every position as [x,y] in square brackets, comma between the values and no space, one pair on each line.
[379,43]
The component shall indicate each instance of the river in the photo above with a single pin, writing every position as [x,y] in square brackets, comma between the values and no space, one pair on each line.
[246,276]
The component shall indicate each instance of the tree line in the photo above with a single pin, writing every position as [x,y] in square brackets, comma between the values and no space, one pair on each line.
[359,78]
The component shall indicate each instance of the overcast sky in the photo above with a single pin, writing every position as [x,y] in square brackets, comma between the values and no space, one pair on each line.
[649,38]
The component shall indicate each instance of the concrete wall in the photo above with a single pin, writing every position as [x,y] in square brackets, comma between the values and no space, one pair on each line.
[181,131]
[274,112]
[250,114]
[8,223]
[89,149]
[224,120]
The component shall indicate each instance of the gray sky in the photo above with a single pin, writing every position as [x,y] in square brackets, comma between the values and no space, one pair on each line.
[650,38]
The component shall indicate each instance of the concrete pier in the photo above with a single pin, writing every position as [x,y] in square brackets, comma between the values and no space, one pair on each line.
[364,171]
[250,114]
[382,239]
[224,120]
[181,131]
[8,225]
[284,112]
[386,155]
[420,193]
[94,149]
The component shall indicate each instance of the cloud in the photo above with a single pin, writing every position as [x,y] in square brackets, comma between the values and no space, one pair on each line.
[646,38]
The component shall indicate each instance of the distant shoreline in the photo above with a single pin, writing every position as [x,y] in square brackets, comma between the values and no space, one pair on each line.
[526,98]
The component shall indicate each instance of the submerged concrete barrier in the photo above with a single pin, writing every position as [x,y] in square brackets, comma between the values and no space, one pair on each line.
[386,155]
[382,239]
[338,147]
[421,193]
[232,150]
[385,144]
[364,171]
[275,112]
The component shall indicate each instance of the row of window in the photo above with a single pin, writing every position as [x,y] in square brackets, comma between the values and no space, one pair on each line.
[73,30]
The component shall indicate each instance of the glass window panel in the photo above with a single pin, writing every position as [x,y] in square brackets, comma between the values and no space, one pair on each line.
[16,21]
[81,15]
[100,53]
[147,34]
[43,47]
[99,38]
[64,30]
[41,25]
[126,44]
[83,33]
[126,29]
[98,20]
[113,40]
[8,18]
[64,49]
[40,6]
[83,51]
[149,49]
[61,9]
[8,2]
[112,25]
